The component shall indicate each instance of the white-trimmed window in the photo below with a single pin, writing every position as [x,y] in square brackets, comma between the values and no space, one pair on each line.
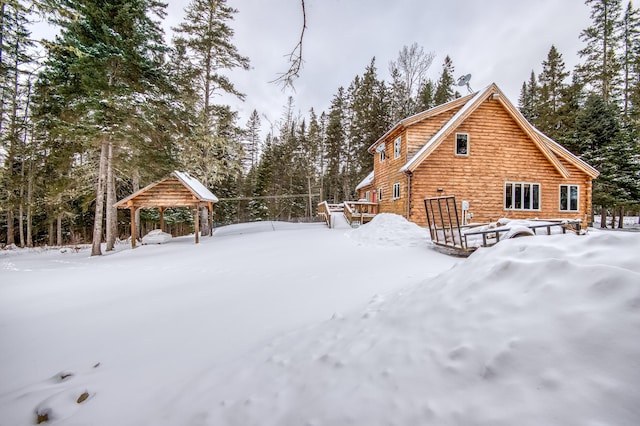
[383,156]
[569,198]
[367,195]
[396,190]
[397,146]
[379,194]
[521,196]
[462,144]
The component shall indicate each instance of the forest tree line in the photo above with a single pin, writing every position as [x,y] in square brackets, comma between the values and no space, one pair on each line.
[111,107]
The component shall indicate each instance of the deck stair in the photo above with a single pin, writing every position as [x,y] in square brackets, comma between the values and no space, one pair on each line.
[355,213]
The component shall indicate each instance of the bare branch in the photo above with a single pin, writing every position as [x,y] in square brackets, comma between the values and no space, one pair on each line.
[294,58]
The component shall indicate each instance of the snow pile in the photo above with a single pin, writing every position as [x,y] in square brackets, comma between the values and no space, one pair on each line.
[534,331]
[387,229]
[156,236]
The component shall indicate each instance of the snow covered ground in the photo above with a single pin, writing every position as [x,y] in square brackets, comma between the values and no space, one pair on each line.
[283,324]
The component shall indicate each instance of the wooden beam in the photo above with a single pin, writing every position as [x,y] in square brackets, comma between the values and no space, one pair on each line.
[210,208]
[161,209]
[132,209]
[197,223]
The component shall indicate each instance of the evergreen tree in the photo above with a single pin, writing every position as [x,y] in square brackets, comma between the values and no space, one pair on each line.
[529,97]
[602,66]
[444,91]
[251,143]
[630,58]
[107,68]
[335,140]
[552,82]
[15,88]
[426,96]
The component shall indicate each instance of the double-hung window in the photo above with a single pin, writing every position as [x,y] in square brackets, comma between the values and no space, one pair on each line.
[521,196]
[397,145]
[396,190]
[462,144]
[569,198]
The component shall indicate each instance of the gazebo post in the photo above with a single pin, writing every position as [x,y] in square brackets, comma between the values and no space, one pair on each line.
[132,209]
[210,208]
[197,223]
[161,209]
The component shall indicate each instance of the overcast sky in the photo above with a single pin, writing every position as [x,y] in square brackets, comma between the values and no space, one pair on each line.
[494,40]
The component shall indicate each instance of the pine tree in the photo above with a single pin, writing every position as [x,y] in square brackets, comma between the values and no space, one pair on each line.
[15,88]
[630,58]
[251,143]
[552,82]
[107,67]
[444,91]
[602,66]
[335,141]
[529,98]
[426,95]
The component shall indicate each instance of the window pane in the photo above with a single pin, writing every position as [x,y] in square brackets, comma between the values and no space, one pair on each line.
[536,196]
[517,202]
[563,197]
[574,198]
[527,196]
[461,144]
[508,196]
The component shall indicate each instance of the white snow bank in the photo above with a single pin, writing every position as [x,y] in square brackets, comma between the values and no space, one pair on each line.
[535,331]
[387,229]
[156,236]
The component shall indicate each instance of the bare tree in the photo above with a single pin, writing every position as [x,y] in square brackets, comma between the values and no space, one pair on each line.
[412,64]
[294,57]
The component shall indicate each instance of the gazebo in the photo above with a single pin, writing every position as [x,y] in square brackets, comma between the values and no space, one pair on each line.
[177,190]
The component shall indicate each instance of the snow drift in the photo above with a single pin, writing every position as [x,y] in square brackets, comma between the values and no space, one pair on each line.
[388,229]
[535,331]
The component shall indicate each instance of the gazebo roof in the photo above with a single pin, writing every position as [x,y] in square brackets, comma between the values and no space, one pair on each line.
[177,190]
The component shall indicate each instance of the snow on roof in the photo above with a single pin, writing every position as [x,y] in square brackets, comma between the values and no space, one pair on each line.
[196,186]
[366,181]
[446,127]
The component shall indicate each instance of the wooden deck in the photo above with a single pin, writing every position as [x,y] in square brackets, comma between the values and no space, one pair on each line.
[355,212]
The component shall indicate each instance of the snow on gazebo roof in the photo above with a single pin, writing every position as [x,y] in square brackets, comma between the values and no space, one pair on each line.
[196,186]
[178,189]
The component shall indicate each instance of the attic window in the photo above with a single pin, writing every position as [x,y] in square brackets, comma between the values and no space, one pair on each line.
[462,144]
[396,147]
[382,155]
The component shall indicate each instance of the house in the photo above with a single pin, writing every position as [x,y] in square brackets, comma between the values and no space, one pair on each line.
[480,149]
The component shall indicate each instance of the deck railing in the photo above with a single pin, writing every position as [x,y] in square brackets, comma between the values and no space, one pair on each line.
[360,212]
[325,210]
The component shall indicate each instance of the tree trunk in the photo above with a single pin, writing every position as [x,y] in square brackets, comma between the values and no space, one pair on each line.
[613,218]
[30,205]
[603,217]
[621,218]
[21,217]
[136,187]
[59,229]
[10,227]
[51,239]
[99,213]
[112,213]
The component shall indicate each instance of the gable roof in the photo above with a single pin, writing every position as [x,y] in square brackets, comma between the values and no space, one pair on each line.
[421,116]
[178,189]
[547,147]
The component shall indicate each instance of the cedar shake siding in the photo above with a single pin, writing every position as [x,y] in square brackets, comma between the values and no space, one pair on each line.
[500,147]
